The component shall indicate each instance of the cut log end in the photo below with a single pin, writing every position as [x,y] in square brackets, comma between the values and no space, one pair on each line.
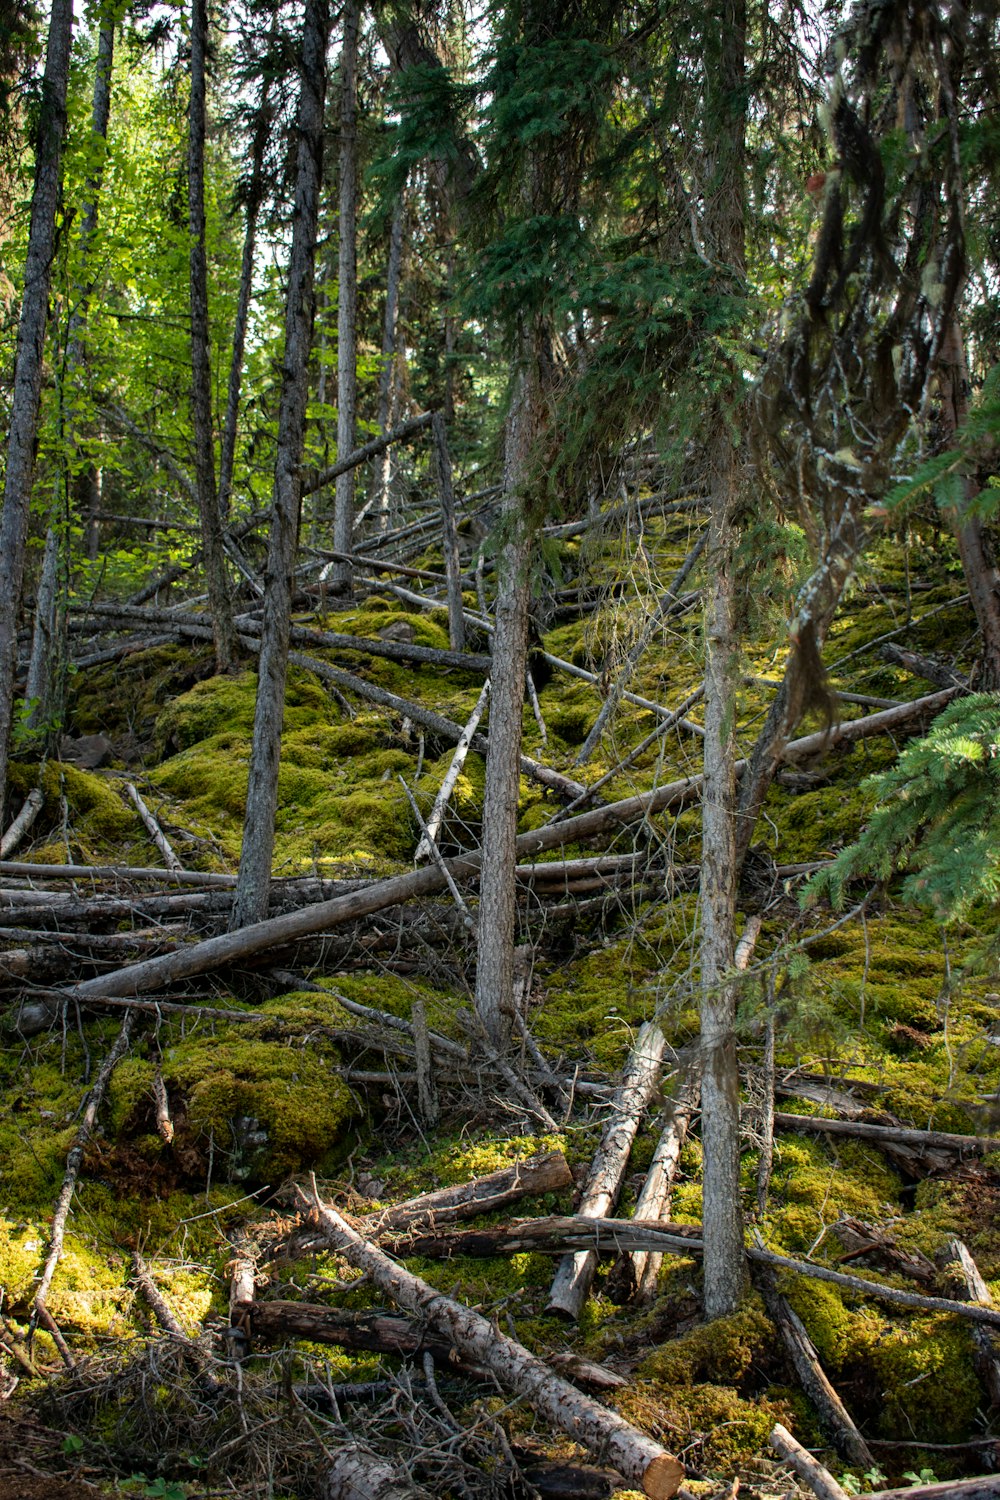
[663,1477]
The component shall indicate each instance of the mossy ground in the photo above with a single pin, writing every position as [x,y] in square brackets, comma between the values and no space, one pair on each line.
[881,998]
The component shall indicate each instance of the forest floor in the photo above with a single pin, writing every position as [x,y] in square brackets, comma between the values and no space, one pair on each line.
[880,1019]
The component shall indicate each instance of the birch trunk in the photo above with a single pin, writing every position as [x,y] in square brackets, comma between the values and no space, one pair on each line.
[341,577]
[27,390]
[250,903]
[216,576]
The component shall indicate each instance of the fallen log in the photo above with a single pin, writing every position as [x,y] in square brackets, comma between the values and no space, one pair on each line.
[819,1480]
[642,1461]
[970,1286]
[865,1241]
[833,1414]
[30,808]
[152,827]
[128,874]
[574,1278]
[538,1174]
[355,1473]
[889,1135]
[633,1277]
[983,1487]
[199,958]
[556,1235]
[276,1321]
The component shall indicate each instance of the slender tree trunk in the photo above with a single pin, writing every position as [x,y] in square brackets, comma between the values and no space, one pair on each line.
[255,196]
[379,497]
[979,566]
[250,902]
[47,647]
[26,395]
[720,1095]
[347,307]
[495,960]
[217,578]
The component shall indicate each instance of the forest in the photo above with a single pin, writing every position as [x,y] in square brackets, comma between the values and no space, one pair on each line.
[499,749]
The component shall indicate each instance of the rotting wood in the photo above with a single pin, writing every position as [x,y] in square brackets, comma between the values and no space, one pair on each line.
[199,958]
[275,1321]
[573,1279]
[556,1235]
[152,827]
[642,1461]
[970,1286]
[861,1240]
[819,1480]
[833,1414]
[355,1473]
[530,1178]
[164,1124]
[30,808]
[983,1487]
[889,1135]
[634,1274]
[74,1161]
[443,797]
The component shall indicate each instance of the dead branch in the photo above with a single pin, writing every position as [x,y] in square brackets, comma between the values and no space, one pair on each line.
[970,1286]
[74,1161]
[813,1379]
[890,1135]
[525,1179]
[819,1480]
[30,808]
[152,828]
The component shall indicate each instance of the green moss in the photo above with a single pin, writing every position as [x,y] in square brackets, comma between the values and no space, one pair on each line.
[713,1426]
[724,1352]
[270,1109]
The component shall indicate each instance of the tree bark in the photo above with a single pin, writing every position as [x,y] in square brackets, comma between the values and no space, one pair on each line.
[356,1474]
[452,559]
[378,498]
[216,576]
[255,195]
[29,359]
[979,566]
[642,1461]
[575,1275]
[633,1278]
[481,1195]
[822,1483]
[253,881]
[494,996]
[341,579]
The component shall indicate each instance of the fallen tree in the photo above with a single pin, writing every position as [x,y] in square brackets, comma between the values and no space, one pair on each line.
[259,937]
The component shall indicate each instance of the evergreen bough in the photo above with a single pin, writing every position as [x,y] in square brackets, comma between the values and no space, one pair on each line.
[938,817]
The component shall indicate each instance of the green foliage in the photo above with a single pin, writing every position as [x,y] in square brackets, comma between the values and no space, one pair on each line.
[937,815]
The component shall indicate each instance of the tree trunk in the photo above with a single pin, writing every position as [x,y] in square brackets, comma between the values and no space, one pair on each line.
[253,881]
[452,558]
[495,959]
[720,1091]
[217,578]
[341,578]
[981,575]
[378,499]
[356,1474]
[47,644]
[26,394]
[255,194]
